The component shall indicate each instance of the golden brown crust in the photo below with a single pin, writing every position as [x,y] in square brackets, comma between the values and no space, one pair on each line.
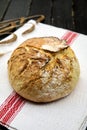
[42,74]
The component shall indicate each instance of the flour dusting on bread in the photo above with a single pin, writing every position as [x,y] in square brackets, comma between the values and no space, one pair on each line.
[55,46]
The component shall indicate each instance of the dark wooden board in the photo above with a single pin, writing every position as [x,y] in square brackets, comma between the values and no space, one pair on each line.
[3,7]
[57,12]
[18,8]
[62,14]
[41,7]
[80,18]
[2,127]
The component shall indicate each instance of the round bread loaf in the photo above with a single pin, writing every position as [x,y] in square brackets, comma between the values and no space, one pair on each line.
[43,69]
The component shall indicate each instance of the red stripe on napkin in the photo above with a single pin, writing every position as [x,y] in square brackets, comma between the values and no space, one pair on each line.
[15,108]
[7,104]
[11,106]
[67,35]
[14,103]
[70,36]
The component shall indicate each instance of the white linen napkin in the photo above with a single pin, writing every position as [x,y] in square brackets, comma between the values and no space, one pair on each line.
[69,113]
